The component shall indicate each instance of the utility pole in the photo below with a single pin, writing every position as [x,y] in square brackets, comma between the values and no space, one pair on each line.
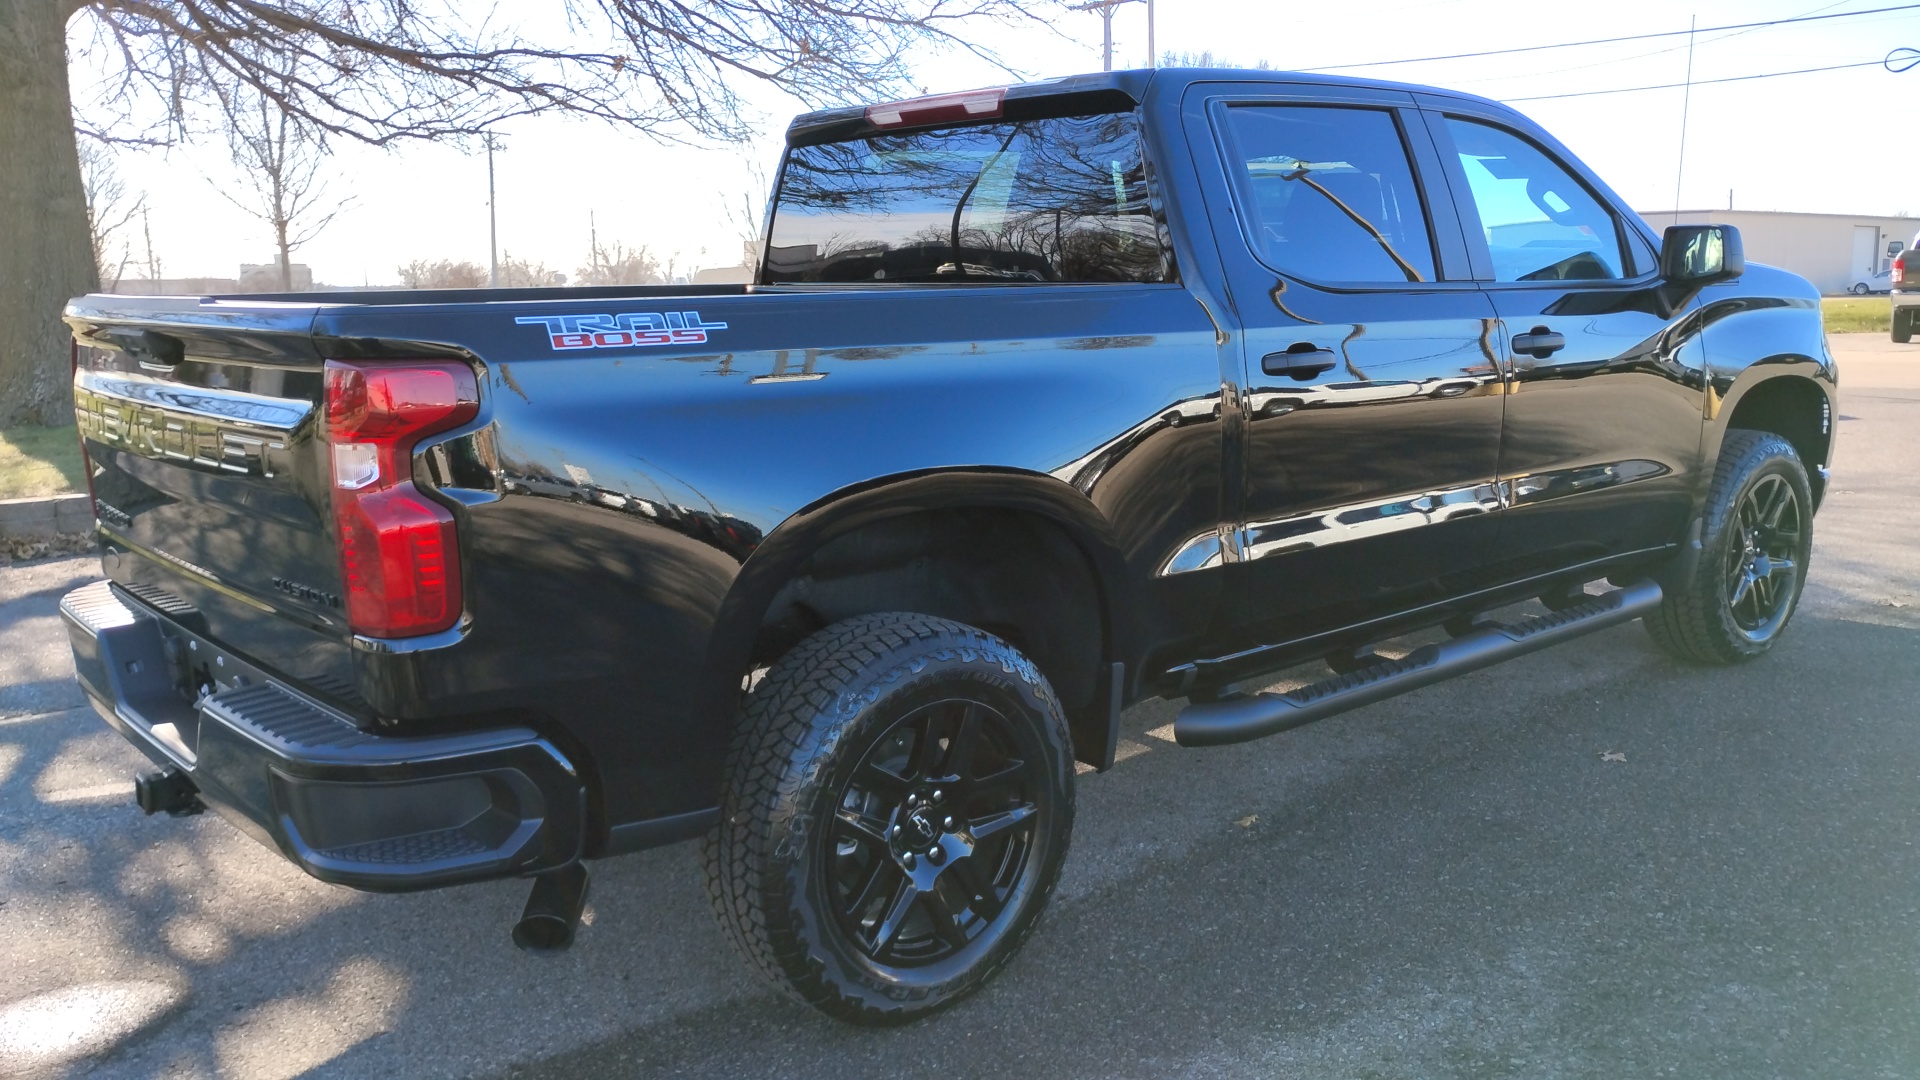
[153,264]
[493,222]
[1153,58]
[1105,8]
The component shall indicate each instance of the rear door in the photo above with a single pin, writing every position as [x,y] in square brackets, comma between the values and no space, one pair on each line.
[1370,387]
[1604,411]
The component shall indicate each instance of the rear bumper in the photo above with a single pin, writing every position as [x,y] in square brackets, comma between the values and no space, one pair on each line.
[347,805]
[1905,299]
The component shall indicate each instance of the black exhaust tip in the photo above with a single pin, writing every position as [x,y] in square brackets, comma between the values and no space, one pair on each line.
[553,910]
[168,791]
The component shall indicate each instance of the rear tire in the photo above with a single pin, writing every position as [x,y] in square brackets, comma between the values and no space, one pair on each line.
[1902,325]
[898,801]
[1738,596]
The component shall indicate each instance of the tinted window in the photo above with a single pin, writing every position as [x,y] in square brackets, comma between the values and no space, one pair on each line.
[1060,199]
[1644,260]
[1327,193]
[1540,223]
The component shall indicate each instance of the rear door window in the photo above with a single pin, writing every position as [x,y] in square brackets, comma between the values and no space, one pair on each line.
[1062,199]
[1540,223]
[1327,193]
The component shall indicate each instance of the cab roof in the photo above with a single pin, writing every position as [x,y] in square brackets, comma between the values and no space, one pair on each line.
[1103,91]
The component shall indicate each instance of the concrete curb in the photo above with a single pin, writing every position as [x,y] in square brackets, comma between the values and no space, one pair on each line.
[46,517]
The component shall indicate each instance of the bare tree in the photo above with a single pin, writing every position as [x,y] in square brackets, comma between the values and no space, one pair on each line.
[527,274]
[280,158]
[619,265]
[387,70]
[1206,59]
[109,211]
[747,213]
[443,274]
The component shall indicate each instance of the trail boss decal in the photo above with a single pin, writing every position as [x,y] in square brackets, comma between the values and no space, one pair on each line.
[641,328]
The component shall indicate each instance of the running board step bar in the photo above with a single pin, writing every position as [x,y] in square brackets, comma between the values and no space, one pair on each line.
[1233,720]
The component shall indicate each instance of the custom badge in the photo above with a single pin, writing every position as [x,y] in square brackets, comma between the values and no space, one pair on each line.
[636,329]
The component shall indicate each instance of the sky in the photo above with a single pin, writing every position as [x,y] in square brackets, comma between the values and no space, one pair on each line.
[1825,142]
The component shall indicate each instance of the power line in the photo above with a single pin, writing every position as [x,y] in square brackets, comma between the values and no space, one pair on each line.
[1627,37]
[1698,82]
[1562,70]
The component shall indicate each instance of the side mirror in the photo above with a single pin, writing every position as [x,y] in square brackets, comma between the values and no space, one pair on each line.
[1699,254]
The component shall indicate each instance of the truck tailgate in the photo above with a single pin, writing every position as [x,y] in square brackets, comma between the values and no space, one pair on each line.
[203,424]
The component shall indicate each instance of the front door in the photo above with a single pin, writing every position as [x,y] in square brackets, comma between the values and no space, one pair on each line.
[1372,396]
[1604,411]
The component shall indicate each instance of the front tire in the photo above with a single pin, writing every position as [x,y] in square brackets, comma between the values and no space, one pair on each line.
[1737,598]
[898,801]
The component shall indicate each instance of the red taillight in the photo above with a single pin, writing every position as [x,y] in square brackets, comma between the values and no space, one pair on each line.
[939,109]
[1899,272]
[399,559]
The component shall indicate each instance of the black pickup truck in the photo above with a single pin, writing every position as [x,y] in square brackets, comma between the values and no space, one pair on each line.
[1046,399]
[1903,286]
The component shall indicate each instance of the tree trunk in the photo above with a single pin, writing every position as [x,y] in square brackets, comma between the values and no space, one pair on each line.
[46,249]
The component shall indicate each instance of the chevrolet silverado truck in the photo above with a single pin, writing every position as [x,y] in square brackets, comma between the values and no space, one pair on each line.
[1046,399]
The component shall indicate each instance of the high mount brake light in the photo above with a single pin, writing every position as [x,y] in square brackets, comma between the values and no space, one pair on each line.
[399,559]
[938,109]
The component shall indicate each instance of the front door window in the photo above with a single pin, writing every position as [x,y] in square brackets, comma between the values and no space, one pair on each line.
[1539,222]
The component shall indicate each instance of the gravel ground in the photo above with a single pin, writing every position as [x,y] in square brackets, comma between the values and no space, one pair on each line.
[1461,882]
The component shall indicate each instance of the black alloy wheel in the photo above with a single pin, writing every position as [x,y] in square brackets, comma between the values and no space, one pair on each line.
[1762,568]
[933,836]
[898,801]
[1734,600]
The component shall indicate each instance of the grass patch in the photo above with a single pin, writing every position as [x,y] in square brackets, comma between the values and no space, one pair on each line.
[1858,314]
[40,461]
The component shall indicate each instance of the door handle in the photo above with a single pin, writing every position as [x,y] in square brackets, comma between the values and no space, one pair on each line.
[1539,343]
[1302,361]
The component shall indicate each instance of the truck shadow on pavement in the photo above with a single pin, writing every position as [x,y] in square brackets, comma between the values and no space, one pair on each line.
[1461,882]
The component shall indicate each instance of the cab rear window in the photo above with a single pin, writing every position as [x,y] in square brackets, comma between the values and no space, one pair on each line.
[1061,199]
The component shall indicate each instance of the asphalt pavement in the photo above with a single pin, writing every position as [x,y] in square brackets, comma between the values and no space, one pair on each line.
[1590,862]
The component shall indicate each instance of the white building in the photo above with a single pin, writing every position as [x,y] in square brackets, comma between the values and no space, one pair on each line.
[265,277]
[1831,250]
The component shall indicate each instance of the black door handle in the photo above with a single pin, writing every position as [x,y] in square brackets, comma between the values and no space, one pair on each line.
[1302,361]
[1539,343]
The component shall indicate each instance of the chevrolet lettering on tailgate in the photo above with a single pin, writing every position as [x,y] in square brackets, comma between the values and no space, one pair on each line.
[224,431]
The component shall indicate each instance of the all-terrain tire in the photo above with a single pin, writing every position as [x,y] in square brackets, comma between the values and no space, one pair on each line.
[812,800]
[1699,620]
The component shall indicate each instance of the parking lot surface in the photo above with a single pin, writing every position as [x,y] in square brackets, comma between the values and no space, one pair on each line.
[1593,861]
